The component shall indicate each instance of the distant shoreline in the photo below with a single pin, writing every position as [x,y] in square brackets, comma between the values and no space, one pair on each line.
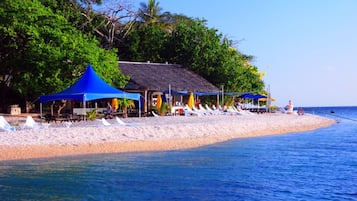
[148,134]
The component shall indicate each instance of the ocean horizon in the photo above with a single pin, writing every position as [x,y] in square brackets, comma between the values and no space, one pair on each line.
[313,165]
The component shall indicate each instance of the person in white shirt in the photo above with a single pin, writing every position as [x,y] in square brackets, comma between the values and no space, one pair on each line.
[289,108]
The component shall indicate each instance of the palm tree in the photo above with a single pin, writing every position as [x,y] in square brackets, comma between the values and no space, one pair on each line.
[150,14]
[124,104]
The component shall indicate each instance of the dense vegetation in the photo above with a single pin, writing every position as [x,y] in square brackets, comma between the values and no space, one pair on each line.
[46,44]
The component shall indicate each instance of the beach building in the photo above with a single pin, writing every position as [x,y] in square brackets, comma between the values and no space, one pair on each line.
[172,81]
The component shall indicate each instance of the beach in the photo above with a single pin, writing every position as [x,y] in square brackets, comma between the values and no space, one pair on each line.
[146,134]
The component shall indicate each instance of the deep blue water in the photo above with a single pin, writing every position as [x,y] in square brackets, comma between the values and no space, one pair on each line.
[315,165]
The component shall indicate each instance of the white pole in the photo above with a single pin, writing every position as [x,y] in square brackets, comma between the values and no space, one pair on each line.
[170,102]
[41,111]
[145,102]
[269,99]
[84,109]
[139,107]
[222,95]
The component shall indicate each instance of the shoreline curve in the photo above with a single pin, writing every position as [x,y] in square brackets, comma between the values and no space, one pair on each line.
[148,134]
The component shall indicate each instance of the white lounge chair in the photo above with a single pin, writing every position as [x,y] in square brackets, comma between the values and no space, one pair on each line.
[154,114]
[244,112]
[202,112]
[188,111]
[219,107]
[120,122]
[30,123]
[214,107]
[212,111]
[105,122]
[4,125]
[233,110]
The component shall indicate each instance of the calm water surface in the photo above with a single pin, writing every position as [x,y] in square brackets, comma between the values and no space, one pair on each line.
[315,165]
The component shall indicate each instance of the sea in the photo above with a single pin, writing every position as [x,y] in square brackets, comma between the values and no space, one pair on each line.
[315,165]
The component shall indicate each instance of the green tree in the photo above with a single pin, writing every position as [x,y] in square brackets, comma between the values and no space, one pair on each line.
[207,53]
[179,39]
[151,14]
[41,52]
[144,43]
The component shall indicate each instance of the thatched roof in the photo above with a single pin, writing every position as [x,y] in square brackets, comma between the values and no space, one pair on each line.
[158,77]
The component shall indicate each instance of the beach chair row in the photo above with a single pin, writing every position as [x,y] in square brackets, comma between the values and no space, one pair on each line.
[30,123]
[206,110]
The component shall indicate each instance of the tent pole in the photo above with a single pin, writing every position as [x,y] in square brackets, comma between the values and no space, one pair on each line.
[84,110]
[146,102]
[222,95]
[170,101]
[41,111]
[139,107]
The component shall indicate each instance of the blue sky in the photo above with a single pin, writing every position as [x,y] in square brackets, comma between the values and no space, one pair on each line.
[307,48]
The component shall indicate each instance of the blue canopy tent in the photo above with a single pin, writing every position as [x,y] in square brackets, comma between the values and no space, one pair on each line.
[259,96]
[90,87]
[206,93]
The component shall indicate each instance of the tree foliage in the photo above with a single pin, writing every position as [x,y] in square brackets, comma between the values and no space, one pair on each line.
[191,43]
[45,45]
[211,55]
[161,36]
[42,52]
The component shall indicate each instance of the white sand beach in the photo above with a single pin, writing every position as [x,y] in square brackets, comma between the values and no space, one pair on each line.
[147,134]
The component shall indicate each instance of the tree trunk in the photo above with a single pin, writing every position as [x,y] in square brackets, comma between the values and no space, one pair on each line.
[63,105]
[53,103]
[125,112]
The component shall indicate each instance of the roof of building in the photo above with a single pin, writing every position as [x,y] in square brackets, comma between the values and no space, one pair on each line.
[158,77]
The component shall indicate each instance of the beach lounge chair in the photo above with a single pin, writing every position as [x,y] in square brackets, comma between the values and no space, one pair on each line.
[188,111]
[120,122]
[219,107]
[4,125]
[105,122]
[243,112]
[31,123]
[204,110]
[154,114]
[213,111]
[233,110]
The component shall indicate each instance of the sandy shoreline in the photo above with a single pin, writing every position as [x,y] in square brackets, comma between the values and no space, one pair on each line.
[148,134]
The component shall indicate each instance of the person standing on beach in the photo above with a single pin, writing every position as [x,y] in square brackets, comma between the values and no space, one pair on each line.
[109,111]
[289,108]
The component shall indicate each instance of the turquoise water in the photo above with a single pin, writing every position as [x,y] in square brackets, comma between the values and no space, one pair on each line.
[314,165]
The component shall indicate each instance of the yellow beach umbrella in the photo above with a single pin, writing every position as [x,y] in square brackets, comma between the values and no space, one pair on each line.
[158,101]
[191,101]
[265,99]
